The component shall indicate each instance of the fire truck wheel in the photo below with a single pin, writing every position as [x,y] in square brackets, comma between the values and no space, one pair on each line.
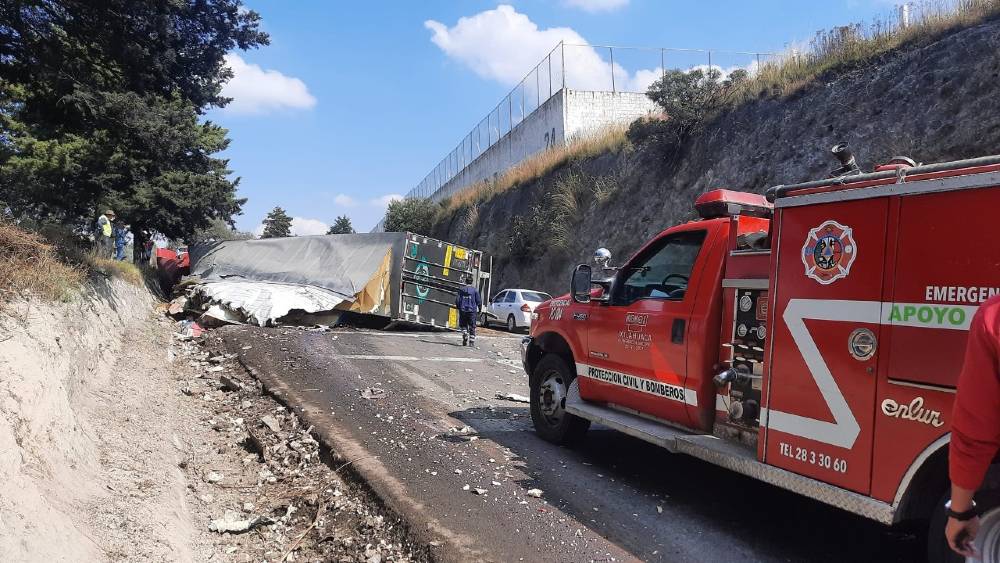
[549,385]
[938,550]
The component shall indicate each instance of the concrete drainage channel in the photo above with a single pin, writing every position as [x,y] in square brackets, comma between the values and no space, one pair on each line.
[295,497]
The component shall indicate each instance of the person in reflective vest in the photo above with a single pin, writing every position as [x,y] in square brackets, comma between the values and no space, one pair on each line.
[102,237]
[468,302]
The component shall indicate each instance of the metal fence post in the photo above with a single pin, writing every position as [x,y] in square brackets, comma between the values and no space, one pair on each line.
[562,54]
[710,63]
[549,57]
[612,52]
[522,100]
[538,89]
[663,65]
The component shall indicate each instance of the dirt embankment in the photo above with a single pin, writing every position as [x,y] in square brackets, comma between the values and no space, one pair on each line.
[933,101]
[123,440]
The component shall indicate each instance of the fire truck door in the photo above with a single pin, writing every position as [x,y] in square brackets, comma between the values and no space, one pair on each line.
[638,341]
[821,380]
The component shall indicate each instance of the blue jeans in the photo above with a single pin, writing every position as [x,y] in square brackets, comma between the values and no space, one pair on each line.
[119,252]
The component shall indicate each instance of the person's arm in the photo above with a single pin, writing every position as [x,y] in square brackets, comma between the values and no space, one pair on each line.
[975,423]
[975,427]
[458,299]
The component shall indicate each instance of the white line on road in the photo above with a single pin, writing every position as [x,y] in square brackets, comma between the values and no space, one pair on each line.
[405,358]
[445,335]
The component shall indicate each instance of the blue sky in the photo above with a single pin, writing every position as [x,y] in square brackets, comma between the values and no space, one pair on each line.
[354,102]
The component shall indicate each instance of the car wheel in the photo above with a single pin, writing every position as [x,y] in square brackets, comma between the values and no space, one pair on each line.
[484,321]
[511,323]
[549,386]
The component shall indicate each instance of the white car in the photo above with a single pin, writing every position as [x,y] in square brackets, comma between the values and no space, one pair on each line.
[513,307]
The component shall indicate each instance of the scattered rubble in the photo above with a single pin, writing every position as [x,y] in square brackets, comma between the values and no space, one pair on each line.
[513,397]
[536,493]
[232,523]
[265,474]
[373,393]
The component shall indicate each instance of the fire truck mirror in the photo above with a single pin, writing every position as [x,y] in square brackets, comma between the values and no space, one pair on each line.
[581,284]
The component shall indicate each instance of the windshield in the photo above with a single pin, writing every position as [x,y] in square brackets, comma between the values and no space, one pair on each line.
[535,296]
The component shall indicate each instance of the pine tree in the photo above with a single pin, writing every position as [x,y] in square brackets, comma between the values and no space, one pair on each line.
[342,226]
[277,224]
[102,105]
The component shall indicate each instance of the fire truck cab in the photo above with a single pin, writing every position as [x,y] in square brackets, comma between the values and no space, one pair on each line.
[811,339]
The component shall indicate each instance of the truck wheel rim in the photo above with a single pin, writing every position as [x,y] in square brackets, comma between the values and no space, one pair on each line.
[988,538]
[552,393]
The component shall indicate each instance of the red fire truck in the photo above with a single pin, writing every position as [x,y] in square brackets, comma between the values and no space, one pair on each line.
[811,338]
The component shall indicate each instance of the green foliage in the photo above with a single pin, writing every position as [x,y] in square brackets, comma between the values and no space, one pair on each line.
[218,230]
[277,224]
[550,225]
[689,99]
[342,226]
[416,215]
[101,104]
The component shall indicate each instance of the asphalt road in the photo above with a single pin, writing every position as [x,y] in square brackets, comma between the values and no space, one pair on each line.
[613,498]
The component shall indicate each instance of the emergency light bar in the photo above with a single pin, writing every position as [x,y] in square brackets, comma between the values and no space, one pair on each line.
[727,203]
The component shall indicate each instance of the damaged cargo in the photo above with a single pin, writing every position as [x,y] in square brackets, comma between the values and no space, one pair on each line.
[394,277]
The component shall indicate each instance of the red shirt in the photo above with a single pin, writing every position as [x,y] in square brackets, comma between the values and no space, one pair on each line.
[975,426]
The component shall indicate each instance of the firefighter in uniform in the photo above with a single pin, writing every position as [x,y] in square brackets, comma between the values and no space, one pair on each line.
[975,427]
[468,302]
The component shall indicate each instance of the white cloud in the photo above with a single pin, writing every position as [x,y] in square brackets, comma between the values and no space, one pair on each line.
[257,90]
[302,226]
[384,201]
[504,45]
[344,200]
[597,5]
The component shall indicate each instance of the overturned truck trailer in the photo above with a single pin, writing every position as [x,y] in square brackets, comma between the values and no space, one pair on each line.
[398,277]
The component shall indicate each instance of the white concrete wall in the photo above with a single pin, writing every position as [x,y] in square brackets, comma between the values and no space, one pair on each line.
[568,113]
[587,112]
[539,130]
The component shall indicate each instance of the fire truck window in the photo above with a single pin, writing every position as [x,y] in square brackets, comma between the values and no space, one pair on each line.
[663,271]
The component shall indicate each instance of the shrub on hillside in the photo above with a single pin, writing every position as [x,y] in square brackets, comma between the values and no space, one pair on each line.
[414,214]
[689,99]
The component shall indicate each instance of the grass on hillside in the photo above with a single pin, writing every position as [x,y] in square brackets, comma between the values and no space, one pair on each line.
[609,139]
[115,268]
[30,266]
[33,266]
[859,43]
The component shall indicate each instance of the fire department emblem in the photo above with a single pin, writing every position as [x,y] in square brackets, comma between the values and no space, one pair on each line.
[829,252]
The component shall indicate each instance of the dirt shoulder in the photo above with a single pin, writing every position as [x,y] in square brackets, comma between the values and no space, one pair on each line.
[120,441]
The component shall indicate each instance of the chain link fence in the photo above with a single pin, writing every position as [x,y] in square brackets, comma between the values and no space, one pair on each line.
[603,68]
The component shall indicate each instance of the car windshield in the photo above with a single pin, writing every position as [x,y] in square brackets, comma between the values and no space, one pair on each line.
[535,296]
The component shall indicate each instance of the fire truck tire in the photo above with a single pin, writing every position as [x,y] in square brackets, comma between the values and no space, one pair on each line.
[549,384]
[938,550]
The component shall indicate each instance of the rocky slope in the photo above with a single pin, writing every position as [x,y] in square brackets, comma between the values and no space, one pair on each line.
[934,101]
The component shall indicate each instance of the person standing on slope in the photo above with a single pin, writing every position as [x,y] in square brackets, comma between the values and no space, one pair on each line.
[468,302]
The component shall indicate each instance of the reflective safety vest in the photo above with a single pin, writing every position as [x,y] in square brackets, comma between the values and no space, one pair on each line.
[105,224]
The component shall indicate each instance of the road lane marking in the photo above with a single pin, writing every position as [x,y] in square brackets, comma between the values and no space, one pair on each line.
[405,358]
[443,335]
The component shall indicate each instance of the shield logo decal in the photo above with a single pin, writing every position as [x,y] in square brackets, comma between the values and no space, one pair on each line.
[829,252]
